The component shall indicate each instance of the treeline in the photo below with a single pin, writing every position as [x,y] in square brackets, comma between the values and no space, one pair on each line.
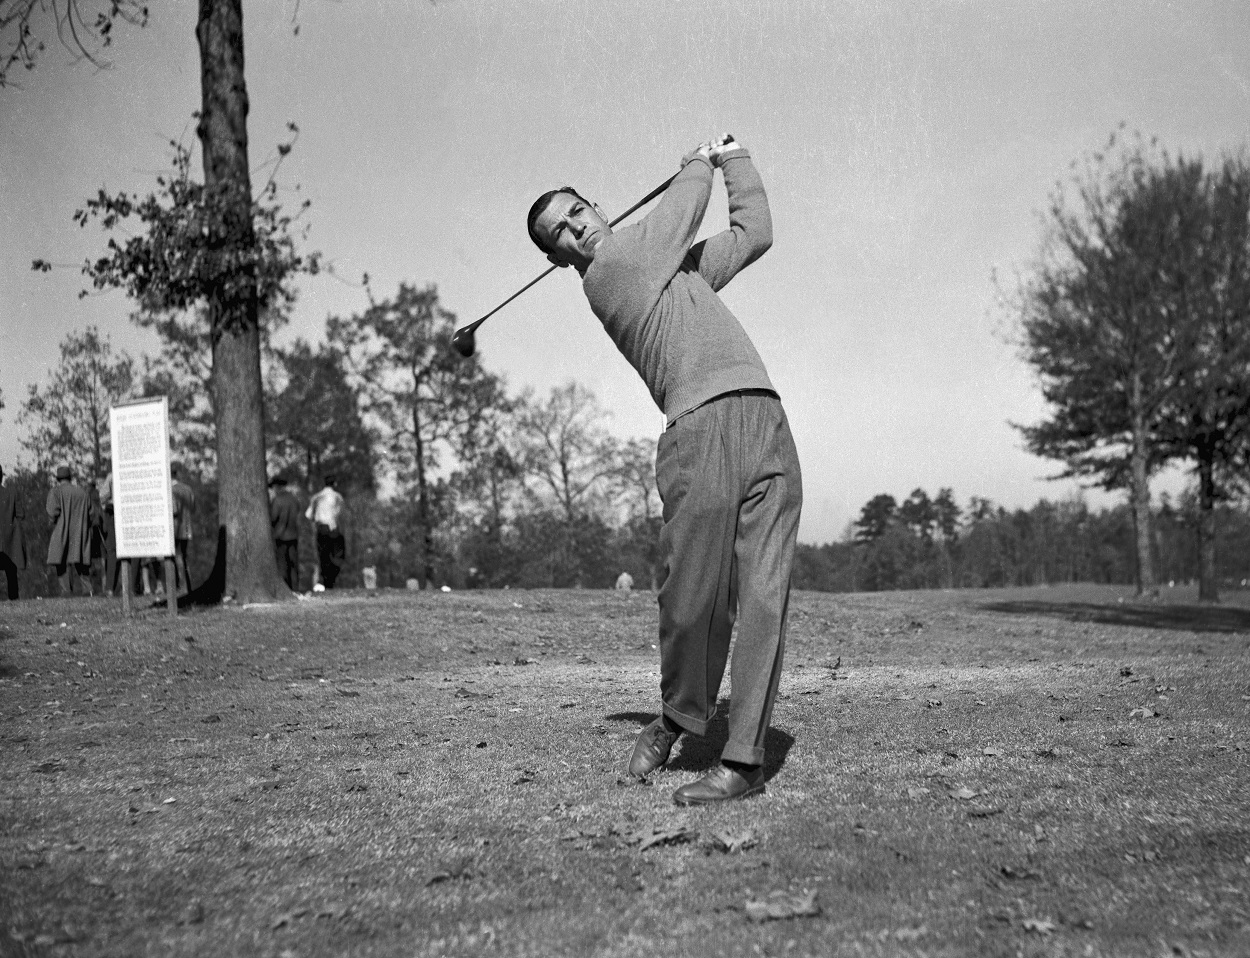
[449,477]
[926,543]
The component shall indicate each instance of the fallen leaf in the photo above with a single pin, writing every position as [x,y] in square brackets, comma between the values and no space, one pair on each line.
[209,719]
[991,751]
[781,905]
[1043,926]
[524,661]
[730,841]
[963,794]
[984,811]
[933,703]
[348,693]
[1142,713]
[646,838]
[463,693]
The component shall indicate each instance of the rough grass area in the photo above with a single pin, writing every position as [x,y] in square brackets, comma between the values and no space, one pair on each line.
[1043,772]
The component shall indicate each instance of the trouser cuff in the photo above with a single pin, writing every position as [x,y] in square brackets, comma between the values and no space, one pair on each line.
[745,754]
[688,723]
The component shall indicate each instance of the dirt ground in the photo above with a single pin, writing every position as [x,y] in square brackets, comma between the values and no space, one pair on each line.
[1028,772]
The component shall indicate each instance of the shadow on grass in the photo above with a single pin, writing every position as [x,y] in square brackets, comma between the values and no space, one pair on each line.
[700,753]
[1192,618]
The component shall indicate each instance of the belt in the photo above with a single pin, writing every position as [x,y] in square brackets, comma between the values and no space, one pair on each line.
[754,391]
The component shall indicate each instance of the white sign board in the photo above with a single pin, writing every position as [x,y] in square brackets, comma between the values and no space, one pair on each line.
[143,496]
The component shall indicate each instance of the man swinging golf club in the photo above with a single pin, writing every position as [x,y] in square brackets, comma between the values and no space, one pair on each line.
[726,466]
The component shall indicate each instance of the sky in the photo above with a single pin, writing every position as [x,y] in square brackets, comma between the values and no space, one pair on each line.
[909,151]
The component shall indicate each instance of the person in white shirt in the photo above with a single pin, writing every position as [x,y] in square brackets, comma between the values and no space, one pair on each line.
[326,511]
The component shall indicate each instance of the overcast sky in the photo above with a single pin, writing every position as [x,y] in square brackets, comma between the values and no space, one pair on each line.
[908,150]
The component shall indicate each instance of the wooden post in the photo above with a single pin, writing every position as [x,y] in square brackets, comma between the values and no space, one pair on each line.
[171,586]
[125,587]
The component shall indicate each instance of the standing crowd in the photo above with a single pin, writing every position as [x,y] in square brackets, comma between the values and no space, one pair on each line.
[82,541]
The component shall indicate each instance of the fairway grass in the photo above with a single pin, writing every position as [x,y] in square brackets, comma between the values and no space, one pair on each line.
[1030,772]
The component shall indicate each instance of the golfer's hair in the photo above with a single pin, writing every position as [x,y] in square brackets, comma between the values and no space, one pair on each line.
[541,204]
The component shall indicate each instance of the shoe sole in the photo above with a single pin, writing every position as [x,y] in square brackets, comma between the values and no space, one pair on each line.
[686,800]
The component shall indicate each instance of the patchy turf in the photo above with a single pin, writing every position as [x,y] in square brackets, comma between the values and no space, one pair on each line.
[1036,772]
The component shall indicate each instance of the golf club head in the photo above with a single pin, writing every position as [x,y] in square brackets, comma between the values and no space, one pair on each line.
[464,342]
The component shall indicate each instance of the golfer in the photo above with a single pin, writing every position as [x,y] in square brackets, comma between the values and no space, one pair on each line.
[726,466]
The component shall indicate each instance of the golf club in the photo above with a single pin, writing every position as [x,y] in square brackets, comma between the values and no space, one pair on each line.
[464,341]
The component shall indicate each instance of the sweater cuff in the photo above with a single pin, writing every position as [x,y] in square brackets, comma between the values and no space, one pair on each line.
[695,155]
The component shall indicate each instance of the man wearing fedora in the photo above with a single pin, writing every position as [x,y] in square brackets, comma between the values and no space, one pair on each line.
[69,545]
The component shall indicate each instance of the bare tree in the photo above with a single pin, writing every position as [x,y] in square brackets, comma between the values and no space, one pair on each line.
[427,400]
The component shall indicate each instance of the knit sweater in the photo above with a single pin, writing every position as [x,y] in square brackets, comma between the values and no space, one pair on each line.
[655,293]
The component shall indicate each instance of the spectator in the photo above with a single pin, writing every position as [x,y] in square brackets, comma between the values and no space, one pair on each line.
[326,511]
[284,517]
[69,545]
[184,504]
[12,545]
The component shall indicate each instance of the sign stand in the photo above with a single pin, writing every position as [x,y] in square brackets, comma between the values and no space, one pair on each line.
[171,586]
[143,497]
[125,587]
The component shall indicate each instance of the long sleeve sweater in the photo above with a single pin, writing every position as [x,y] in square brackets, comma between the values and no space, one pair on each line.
[655,292]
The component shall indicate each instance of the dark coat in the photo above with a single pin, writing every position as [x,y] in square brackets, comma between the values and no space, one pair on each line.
[69,508]
[284,516]
[12,543]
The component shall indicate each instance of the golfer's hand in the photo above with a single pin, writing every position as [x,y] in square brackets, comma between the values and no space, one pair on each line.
[722,148]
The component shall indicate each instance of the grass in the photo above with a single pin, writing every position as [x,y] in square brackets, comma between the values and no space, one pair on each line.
[1030,772]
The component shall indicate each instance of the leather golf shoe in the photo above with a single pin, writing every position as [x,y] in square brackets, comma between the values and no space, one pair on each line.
[721,784]
[652,748]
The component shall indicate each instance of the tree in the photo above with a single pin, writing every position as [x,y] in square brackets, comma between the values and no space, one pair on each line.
[212,246]
[72,29]
[315,425]
[1100,325]
[427,399]
[875,518]
[568,450]
[1208,418]
[572,459]
[68,421]
[918,513]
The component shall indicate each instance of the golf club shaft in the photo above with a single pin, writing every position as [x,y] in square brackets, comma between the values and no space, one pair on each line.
[465,330]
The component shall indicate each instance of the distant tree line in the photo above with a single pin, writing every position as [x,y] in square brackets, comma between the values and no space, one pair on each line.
[450,479]
[925,543]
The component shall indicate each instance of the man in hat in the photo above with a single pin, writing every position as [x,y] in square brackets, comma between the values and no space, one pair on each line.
[69,545]
[12,545]
[284,517]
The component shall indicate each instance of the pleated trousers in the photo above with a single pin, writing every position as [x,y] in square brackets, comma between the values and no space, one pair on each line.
[728,475]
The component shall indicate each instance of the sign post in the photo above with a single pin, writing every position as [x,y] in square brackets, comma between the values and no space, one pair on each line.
[143,497]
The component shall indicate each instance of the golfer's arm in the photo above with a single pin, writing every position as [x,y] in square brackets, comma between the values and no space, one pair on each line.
[750,232]
[669,229]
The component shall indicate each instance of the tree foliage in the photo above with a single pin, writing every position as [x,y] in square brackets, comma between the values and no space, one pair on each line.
[81,33]
[426,400]
[315,425]
[187,250]
[67,421]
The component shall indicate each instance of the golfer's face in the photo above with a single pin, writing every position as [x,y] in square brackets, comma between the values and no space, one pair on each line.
[572,229]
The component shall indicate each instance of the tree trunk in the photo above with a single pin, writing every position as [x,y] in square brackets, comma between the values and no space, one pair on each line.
[423,502]
[1139,493]
[1208,587]
[242,504]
